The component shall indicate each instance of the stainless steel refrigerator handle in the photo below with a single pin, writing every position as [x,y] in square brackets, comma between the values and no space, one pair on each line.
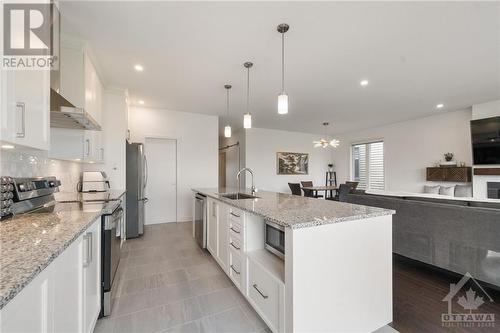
[145,171]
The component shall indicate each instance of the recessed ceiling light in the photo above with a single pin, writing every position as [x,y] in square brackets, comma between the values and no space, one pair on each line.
[138,68]
[363,83]
[141,102]
[7,146]
[439,106]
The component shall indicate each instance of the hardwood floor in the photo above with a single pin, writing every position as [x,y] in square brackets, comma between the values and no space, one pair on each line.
[418,299]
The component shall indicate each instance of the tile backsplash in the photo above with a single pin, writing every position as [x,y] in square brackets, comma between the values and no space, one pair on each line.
[36,163]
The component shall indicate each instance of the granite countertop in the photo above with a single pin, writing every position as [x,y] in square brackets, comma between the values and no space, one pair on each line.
[88,196]
[30,242]
[295,211]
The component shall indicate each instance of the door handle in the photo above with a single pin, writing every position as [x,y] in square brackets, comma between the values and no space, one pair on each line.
[21,106]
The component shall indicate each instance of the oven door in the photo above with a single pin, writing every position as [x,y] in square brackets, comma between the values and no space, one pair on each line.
[112,226]
[275,239]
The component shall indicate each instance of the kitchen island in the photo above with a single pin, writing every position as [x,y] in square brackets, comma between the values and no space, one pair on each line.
[336,273]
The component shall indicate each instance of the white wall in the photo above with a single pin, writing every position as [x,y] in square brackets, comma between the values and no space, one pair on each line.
[114,126]
[411,146]
[480,111]
[235,157]
[197,150]
[262,146]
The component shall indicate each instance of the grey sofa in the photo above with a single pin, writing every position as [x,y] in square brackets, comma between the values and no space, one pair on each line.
[459,236]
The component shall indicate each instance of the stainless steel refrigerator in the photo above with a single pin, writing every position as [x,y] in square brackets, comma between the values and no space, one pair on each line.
[137,179]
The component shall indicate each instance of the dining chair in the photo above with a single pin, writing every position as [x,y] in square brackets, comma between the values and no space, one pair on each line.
[353,185]
[309,193]
[295,188]
[344,191]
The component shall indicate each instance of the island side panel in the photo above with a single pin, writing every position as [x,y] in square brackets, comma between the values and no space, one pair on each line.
[338,277]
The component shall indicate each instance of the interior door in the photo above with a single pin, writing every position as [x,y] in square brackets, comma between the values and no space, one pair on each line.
[161,188]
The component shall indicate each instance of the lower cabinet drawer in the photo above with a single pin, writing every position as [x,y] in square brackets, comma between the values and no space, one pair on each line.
[235,244]
[236,269]
[264,293]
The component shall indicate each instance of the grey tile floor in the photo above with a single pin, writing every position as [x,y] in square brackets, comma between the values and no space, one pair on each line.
[167,284]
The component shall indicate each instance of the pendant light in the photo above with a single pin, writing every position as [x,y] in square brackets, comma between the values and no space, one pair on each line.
[283,97]
[326,142]
[247,117]
[227,129]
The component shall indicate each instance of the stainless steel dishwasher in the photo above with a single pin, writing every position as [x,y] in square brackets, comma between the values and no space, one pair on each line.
[200,219]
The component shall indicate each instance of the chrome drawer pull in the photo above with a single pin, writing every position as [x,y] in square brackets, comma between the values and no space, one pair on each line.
[232,267]
[260,292]
[235,215]
[236,231]
[232,244]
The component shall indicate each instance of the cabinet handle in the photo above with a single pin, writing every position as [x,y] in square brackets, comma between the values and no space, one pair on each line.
[21,106]
[89,248]
[235,215]
[260,292]
[236,231]
[232,244]
[232,267]
[87,143]
[87,238]
[86,261]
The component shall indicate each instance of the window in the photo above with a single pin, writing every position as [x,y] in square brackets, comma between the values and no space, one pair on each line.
[368,165]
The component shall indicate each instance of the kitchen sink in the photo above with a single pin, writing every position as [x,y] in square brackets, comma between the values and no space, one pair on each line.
[238,196]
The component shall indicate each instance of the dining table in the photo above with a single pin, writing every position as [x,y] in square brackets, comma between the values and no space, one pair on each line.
[317,189]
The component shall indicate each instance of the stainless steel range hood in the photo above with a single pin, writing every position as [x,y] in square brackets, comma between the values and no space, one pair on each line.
[63,114]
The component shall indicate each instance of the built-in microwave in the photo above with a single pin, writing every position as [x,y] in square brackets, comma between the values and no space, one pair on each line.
[275,239]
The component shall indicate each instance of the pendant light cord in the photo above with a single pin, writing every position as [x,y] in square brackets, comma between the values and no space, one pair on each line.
[227,104]
[282,62]
[248,88]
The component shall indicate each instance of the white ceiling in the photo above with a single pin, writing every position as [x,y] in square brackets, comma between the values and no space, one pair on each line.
[415,55]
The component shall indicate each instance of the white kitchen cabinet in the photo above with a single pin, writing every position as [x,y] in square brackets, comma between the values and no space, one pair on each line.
[222,239]
[67,282]
[24,111]
[91,275]
[29,310]
[79,81]
[264,295]
[212,213]
[93,150]
[65,296]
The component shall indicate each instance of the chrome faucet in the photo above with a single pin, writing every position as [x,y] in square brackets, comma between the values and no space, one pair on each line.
[238,178]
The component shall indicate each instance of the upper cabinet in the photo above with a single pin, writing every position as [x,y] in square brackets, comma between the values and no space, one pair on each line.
[79,82]
[25,108]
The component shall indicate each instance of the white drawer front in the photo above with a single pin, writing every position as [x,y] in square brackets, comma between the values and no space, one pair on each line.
[236,228]
[236,244]
[236,269]
[236,214]
[264,292]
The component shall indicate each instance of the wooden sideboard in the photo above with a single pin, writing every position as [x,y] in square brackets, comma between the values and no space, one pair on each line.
[449,174]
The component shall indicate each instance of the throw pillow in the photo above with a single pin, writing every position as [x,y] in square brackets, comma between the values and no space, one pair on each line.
[431,189]
[447,190]
[463,191]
